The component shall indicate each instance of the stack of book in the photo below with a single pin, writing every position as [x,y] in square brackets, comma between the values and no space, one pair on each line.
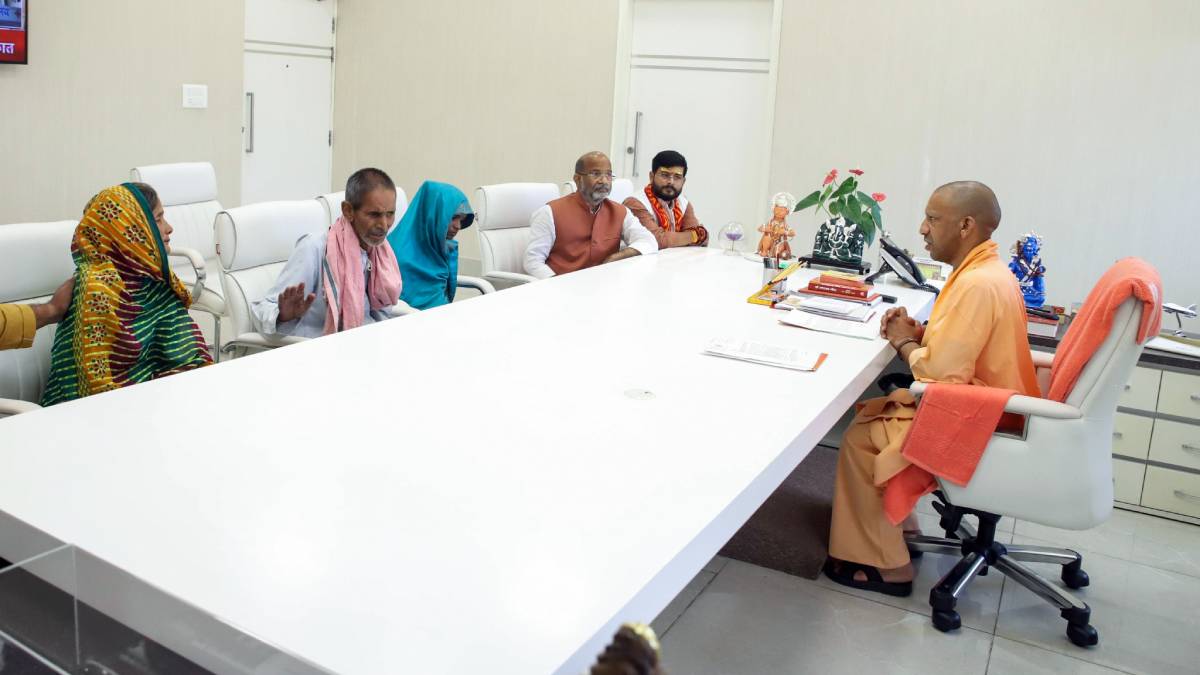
[843,288]
[1041,325]
[834,308]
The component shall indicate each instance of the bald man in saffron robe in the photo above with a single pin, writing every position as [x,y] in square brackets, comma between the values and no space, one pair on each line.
[976,335]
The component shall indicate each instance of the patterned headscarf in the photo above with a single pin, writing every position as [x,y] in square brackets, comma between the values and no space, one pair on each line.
[128,319]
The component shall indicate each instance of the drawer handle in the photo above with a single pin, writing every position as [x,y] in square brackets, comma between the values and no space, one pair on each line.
[1117,434]
[1190,448]
[1180,494]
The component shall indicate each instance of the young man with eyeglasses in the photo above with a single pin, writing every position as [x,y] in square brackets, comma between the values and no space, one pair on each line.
[661,206]
[584,228]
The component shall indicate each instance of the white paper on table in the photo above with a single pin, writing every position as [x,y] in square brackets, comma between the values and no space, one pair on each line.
[764,353]
[854,329]
[834,308]
[1162,344]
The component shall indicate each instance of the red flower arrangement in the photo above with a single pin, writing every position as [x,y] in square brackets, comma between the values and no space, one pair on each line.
[844,199]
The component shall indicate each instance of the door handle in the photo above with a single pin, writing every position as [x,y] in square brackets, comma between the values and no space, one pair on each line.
[637,141]
[249,123]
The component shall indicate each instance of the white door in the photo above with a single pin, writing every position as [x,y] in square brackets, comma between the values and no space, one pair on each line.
[699,83]
[287,134]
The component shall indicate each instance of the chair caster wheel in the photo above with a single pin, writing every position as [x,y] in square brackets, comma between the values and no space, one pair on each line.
[1082,636]
[1075,578]
[946,621]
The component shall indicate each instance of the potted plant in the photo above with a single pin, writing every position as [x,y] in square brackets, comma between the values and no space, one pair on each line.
[853,218]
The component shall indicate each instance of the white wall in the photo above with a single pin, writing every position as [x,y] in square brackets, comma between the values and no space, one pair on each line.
[102,94]
[472,93]
[1081,114]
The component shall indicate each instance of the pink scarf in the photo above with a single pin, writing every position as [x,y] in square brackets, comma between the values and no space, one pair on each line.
[344,292]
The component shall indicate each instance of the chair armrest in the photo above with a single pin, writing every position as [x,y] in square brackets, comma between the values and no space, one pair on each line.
[261,341]
[197,261]
[481,285]
[401,308]
[1023,405]
[15,406]
[1040,407]
[1042,359]
[510,276]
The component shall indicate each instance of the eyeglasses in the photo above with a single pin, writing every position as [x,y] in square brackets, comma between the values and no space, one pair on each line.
[597,175]
[670,175]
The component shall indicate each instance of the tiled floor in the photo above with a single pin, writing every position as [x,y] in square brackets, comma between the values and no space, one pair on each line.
[739,619]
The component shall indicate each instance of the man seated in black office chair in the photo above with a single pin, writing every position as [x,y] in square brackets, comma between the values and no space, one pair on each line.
[976,335]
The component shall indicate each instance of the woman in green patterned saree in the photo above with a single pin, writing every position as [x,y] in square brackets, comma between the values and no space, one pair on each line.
[128,320]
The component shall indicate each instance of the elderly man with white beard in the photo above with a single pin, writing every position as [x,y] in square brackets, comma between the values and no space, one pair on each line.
[584,228]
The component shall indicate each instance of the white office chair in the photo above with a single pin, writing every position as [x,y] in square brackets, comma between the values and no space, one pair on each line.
[255,243]
[35,258]
[1058,474]
[502,223]
[622,189]
[189,197]
[332,203]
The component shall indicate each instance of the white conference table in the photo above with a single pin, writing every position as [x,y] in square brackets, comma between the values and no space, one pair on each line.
[484,487]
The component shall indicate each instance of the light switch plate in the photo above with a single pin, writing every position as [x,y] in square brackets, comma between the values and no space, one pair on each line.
[195,95]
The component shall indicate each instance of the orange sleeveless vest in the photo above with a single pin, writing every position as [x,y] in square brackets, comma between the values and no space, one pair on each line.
[581,239]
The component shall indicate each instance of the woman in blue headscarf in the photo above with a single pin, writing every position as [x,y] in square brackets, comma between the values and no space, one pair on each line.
[425,246]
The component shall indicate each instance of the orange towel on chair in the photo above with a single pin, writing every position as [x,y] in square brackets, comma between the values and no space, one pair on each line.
[951,430]
[955,422]
[1129,277]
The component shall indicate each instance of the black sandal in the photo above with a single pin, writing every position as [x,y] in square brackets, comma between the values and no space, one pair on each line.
[843,571]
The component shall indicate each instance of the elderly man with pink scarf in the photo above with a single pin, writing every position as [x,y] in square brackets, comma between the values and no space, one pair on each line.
[343,278]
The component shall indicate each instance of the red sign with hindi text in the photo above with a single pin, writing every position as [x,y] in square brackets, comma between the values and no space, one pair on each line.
[12,46]
[14,31]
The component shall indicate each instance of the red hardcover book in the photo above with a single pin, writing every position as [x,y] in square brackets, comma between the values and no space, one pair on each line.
[871,299]
[839,290]
[835,280]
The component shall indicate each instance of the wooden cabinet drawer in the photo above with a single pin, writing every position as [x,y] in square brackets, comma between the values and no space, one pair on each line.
[1141,392]
[1127,481]
[1131,435]
[1175,443]
[1173,491]
[1180,395]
